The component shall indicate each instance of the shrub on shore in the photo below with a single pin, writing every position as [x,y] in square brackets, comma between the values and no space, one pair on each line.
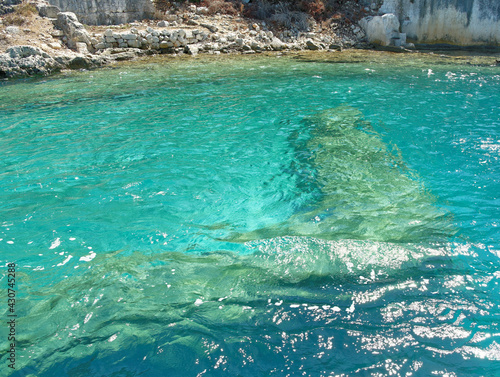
[220,6]
[280,14]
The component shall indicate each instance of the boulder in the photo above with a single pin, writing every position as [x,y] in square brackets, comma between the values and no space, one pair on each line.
[202,10]
[129,36]
[55,45]
[72,29]
[381,30]
[20,61]
[277,45]
[12,30]
[79,62]
[192,49]
[133,43]
[49,11]
[82,48]
[212,28]
[311,45]
[57,33]
[20,52]
[6,6]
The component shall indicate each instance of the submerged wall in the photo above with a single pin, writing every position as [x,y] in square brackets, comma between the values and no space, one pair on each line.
[462,22]
[107,12]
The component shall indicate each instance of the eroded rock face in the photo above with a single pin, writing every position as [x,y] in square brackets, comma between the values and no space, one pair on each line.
[25,60]
[458,22]
[107,12]
[381,30]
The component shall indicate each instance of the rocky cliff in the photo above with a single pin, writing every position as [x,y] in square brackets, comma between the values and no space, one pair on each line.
[459,22]
[107,12]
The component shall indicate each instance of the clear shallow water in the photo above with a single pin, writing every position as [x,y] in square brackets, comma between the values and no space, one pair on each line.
[254,217]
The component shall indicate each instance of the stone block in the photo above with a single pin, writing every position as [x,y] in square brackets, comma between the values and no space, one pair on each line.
[57,33]
[129,36]
[133,43]
[192,49]
[55,45]
[82,48]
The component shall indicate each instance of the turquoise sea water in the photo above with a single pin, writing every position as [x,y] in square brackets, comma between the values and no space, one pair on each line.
[253,217]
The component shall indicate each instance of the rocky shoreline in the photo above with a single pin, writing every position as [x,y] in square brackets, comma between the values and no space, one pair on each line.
[67,44]
[188,31]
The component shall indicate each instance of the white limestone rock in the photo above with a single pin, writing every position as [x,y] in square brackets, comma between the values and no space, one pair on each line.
[81,48]
[381,29]
[192,49]
[13,30]
[72,29]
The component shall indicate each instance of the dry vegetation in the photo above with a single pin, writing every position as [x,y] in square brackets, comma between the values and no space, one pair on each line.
[292,12]
[22,14]
[33,30]
[281,14]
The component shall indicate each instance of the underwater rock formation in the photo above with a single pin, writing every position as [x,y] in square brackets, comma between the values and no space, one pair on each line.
[365,190]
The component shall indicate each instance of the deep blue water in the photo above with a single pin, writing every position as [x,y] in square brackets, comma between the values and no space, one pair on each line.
[254,217]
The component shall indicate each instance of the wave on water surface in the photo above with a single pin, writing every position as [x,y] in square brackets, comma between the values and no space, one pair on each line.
[355,270]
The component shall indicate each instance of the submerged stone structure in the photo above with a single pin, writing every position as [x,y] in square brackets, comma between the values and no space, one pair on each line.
[457,22]
[363,187]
